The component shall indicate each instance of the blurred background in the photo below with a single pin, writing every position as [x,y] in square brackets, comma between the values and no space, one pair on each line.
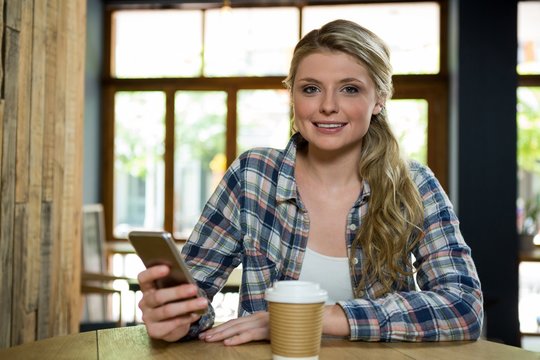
[176,90]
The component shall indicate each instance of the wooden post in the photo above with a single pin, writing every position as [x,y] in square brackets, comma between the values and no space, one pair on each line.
[42,44]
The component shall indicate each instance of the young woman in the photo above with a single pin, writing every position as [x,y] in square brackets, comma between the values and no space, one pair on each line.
[338,206]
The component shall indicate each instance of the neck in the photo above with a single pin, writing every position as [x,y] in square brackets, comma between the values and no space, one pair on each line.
[330,169]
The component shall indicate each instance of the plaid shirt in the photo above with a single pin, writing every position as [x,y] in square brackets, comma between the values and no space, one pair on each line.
[256,218]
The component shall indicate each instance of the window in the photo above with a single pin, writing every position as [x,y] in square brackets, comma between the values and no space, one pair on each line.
[528,119]
[137,54]
[528,37]
[528,152]
[199,153]
[185,94]
[415,47]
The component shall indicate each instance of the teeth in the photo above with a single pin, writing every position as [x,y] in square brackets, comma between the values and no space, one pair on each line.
[329,126]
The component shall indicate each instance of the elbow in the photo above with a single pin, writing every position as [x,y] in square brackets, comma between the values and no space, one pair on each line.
[469,323]
[473,328]
[475,316]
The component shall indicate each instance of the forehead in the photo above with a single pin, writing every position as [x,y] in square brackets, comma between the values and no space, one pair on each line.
[330,63]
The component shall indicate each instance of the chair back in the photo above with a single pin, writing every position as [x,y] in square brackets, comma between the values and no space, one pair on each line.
[93,239]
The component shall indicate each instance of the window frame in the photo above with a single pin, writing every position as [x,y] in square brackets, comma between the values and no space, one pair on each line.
[432,88]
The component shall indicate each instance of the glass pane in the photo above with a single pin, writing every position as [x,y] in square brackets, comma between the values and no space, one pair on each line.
[408,119]
[529,296]
[528,153]
[413,36]
[138,161]
[157,43]
[529,37]
[263,119]
[199,155]
[250,42]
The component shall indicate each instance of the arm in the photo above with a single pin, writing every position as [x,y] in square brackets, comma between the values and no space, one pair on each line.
[214,247]
[449,303]
[211,252]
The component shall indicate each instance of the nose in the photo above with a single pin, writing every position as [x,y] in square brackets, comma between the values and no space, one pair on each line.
[329,104]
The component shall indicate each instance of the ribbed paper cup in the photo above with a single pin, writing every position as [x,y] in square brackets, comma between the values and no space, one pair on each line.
[296,310]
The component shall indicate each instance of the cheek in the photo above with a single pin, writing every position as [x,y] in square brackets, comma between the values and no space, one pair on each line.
[301,110]
[359,111]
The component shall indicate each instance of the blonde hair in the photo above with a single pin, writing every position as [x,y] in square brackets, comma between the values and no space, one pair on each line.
[393,223]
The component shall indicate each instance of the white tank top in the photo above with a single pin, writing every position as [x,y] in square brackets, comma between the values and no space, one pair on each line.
[331,273]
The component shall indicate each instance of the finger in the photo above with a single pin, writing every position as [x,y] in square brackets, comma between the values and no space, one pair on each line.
[172,329]
[180,308]
[220,328]
[249,324]
[174,309]
[147,277]
[181,331]
[227,325]
[245,337]
[154,298]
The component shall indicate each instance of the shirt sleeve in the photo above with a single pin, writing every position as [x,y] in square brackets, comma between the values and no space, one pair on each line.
[214,247]
[448,303]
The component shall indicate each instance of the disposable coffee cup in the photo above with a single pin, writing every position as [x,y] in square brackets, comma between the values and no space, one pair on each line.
[296,311]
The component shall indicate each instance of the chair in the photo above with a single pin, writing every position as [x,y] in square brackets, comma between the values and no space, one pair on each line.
[94,277]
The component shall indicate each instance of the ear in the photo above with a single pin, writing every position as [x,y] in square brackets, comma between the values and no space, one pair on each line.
[378,108]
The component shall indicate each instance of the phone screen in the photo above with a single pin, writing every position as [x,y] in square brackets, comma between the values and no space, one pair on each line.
[158,248]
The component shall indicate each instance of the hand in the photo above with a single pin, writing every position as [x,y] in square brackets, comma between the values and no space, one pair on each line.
[168,313]
[242,330]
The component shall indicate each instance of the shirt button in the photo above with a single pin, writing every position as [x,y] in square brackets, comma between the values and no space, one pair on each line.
[352,227]
[355,261]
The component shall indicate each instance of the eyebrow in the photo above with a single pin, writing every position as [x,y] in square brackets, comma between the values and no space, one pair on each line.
[342,81]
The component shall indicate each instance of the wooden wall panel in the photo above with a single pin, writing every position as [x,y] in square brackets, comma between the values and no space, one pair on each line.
[42,46]
[2,27]
[7,186]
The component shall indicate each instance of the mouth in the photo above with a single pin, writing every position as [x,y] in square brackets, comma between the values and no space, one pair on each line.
[329,125]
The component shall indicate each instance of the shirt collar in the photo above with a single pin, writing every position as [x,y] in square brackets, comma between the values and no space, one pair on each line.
[364,195]
[286,184]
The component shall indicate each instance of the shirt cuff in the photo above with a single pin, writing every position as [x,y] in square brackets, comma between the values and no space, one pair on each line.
[363,321]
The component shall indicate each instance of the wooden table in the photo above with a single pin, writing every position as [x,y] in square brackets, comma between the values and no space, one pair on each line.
[134,343]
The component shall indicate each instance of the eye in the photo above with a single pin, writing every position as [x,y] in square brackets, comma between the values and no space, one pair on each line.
[310,89]
[349,89]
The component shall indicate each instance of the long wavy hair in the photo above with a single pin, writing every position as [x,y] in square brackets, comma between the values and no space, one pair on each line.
[393,223]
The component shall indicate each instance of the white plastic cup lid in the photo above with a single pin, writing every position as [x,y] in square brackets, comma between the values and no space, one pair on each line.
[296,292]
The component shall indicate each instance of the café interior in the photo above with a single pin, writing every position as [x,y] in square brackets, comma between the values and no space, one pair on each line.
[157,98]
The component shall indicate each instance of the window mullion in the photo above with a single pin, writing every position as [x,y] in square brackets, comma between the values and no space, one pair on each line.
[169,161]
[231,125]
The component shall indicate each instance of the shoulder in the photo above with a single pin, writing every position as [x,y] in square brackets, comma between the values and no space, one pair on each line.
[418,170]
[262,161]
[423,177]
[431,191]
[258,155]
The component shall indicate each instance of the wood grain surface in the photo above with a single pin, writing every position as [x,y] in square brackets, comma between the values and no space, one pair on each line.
[134,343]
[41,136]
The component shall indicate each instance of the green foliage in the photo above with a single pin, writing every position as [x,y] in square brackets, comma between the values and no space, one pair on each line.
[139,131]
[200,128]
[528,147]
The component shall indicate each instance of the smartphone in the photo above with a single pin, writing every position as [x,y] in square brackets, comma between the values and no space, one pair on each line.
[158,248]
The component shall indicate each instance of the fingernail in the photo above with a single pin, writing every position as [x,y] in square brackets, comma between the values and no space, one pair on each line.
[202,301]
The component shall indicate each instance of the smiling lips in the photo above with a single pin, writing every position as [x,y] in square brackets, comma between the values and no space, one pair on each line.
[330,125]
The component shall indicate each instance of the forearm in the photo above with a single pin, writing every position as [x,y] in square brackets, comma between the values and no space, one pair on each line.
[334,321]
[416,316]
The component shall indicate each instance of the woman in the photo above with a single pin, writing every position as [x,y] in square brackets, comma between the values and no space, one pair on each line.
[338,198]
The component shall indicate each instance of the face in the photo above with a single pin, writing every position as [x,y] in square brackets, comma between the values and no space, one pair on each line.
[333,99]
